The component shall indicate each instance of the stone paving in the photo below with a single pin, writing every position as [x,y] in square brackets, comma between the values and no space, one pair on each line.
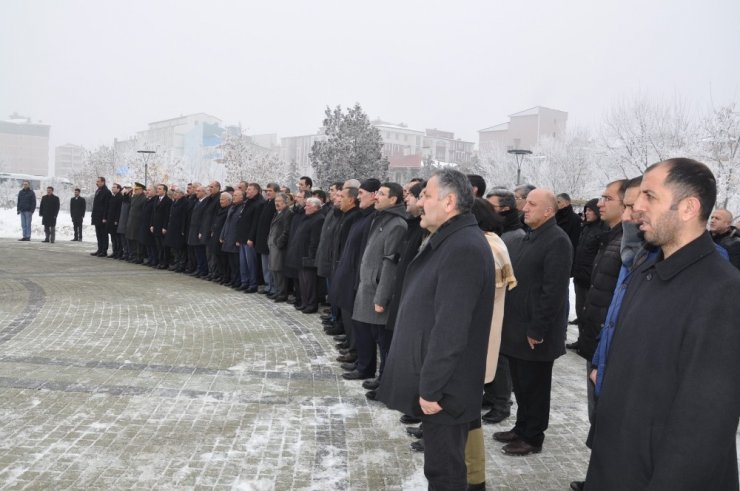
[116,376]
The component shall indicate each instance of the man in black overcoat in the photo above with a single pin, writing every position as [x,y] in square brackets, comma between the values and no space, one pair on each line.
[77,209]
[48,211]
[112,215]
[437,359]
[98,216]
[667,414]
[159,225]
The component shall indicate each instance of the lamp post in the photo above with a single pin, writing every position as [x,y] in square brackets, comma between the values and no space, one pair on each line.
[145,154]
[519,155]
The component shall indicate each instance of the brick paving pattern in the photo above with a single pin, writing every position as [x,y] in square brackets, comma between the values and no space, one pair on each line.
[116,376]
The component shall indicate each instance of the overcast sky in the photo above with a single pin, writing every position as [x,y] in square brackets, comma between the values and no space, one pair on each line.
[96,70]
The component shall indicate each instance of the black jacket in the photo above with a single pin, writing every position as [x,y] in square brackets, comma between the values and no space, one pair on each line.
[323,254]
[570,222]
[667,415]
[135,212]
[538,306]
[176,232]
[160,214]
[267,213]
[100,205]
[588,246]
[439,348]
[347,275]
[199,223]
[604,277]
[340,238]
[409,249]
[246,227]
[217,227]
[113,212]
[304,242]
[77,208]
[147,209]
[49,209]
[730,240]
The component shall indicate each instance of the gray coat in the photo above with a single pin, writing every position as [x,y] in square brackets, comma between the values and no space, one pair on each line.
[441,338]
[123,217]
[134,216]
[277,241]
[378,266]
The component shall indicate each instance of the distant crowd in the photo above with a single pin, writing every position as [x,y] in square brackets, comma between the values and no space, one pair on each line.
[445,299]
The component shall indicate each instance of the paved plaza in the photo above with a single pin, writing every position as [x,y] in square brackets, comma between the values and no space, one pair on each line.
[117,376]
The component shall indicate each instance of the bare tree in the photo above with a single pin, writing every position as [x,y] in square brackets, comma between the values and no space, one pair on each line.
[719,146]
[639,131]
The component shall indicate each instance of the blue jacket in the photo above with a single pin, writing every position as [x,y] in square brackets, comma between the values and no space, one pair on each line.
[26,200]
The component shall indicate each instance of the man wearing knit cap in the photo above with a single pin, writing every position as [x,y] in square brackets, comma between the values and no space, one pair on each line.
[588,246]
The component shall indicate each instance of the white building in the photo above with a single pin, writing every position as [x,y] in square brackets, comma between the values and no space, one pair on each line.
[24,146]
[524,129]
[68,159]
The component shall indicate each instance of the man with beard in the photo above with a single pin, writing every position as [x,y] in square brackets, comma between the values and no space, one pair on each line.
[668,410]
[98,218]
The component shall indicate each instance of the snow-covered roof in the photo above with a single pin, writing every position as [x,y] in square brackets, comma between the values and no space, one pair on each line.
[533,111]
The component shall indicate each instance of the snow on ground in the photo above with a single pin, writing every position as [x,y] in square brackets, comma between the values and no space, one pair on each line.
[10,226]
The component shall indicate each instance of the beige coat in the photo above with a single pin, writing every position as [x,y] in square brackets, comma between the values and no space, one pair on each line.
[504,281]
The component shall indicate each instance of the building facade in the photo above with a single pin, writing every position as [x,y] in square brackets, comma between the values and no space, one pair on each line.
[523,130]
[24,146]
[68,159]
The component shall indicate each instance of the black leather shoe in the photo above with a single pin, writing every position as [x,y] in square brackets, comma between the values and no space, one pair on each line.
[409,420]
[102,254]
[348,358]
[251,290]
[494,416]
[343,351]
[342,345]
[279,299]
[417,446]
[573,346]
[577,485]
[505,436]
[520,448]
[334,331]
[348,366]
[92,253]
[299,307]
[481,486]
[371,394]
[310,310]
[415,431]
[355,375]
[371,384]
[326,317]
[340,338]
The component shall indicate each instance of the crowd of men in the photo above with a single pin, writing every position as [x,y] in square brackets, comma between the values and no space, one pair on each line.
[445,300]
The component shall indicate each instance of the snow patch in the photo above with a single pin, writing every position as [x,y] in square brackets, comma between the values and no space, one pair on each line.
[258,485]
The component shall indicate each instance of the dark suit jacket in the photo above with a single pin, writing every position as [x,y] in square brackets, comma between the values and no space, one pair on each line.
[160,214]
[100,205]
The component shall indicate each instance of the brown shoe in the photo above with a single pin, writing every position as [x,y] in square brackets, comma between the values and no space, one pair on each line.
[505,436]
[520,448]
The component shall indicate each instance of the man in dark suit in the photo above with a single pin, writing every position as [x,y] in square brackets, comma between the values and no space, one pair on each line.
[436,362]
[112,215]
[77,208]
[48,211]
[535,320]
[98,217]
[158,225]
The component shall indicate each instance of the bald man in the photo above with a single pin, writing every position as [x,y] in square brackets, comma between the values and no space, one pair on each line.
[724,234]
[535,320]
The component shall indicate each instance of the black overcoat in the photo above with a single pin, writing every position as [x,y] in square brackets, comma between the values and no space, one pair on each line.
[198,220]
[77,208]
[667,415]
[135,210]
[175,236]
[323,254]
[160,214]
[440,341]
[48,210]
[229,230]
[217,227]
[263,227]
[538,306]
[113,212]
[347,275]
[100,205]
[145,235]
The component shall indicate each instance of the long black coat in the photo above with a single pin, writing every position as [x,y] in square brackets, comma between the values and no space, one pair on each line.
[77,208]
[246,228]
[409,249]
[229,229]
[100,205]
[347,275]
[113,212]
[340,238]
[588,247]
[123,217]
[217,227]
[570,222]
[160,214]
[440,342]
[48,210]
[145,235]
[604,277]
[263,227]
[304,242]
[667,415]
[199,223]
[176,231]
[538,306]
[323,254]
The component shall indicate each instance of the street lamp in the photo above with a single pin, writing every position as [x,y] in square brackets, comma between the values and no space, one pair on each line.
[145,156]
[519,155]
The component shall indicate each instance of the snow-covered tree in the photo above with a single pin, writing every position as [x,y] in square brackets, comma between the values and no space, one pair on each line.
[719,144]
[245,161]
[98,162]
[352,148]
[640,131]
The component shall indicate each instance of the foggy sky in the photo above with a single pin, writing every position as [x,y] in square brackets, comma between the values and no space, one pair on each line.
[96,70]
